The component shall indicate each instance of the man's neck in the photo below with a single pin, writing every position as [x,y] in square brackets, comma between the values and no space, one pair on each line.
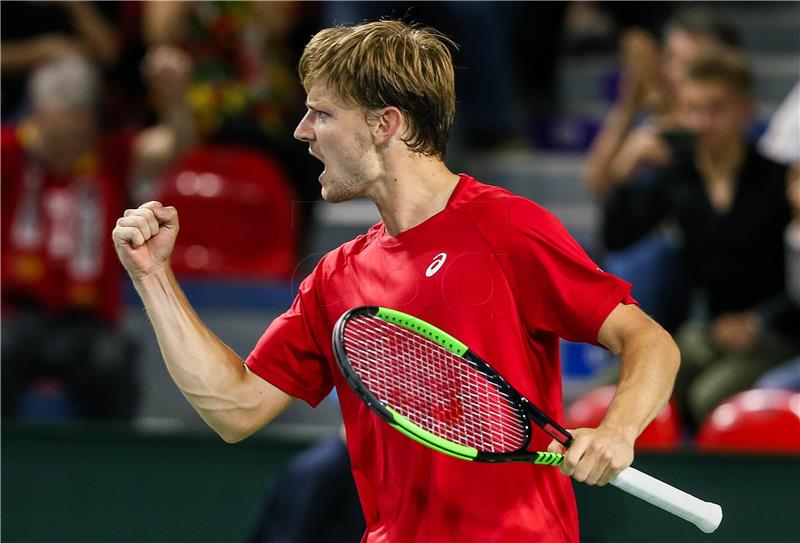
[413,190]
[722,163]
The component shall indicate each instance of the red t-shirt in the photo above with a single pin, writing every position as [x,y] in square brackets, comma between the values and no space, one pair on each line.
[56,229]
[513,281]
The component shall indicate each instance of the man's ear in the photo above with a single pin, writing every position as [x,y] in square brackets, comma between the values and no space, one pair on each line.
[386,122]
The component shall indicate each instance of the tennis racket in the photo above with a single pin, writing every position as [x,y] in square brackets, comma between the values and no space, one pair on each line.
[432,388]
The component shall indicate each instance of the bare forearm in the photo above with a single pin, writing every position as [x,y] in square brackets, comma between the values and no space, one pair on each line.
[177,116]
[164,22]
[101,41]
[157,147]
[17,57]
[211,376]
[599,164]
[649,363]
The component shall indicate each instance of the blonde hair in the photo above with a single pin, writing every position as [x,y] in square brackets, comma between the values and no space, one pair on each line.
[389,63]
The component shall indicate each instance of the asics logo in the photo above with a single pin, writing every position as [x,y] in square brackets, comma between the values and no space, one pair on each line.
[438,262]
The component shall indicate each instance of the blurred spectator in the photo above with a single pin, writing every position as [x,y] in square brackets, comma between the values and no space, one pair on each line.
[646,108]
[641,132]
[787,375]
[224,72]
[782,143]
[36,32]
[63,185]
[594,27]
[314,500]
[730,205]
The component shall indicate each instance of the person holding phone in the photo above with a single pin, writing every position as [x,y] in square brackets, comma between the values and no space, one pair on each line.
[642,128]
[730,205]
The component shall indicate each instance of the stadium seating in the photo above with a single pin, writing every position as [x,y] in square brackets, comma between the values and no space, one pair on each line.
[664,433]
[236,215]
[46,400]
[760,420]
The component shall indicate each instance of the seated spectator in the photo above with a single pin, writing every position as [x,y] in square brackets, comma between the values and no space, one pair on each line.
[787,375]
[640,133]
[780,142]
[647,105]
[729,203]
[63,185]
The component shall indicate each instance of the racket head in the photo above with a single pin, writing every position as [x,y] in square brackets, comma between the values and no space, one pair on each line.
[431,387]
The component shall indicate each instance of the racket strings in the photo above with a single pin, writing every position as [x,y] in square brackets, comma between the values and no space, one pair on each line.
[432,387]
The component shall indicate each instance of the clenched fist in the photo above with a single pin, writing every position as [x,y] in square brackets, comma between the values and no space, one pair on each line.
[144,238]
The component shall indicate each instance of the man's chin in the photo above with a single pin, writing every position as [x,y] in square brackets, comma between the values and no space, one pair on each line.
[333,197]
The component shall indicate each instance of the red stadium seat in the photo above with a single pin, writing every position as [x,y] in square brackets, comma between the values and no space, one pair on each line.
[235,210]
[664,433]
[760,420]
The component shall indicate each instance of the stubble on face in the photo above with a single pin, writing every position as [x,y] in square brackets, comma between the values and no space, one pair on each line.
[350,171]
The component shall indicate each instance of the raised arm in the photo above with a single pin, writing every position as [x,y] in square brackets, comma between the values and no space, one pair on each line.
[619,148]
[649,363]
[233,401]
[168,70]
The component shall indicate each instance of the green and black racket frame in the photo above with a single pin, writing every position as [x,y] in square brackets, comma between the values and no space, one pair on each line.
[431,387]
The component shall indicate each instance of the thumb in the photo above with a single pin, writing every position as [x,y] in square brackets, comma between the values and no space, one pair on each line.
[556,447]
[167,216]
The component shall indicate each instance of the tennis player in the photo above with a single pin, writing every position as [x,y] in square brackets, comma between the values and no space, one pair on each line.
[495,270]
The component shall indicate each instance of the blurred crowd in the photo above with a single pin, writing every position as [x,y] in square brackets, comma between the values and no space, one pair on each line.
[106,105]
[674,156]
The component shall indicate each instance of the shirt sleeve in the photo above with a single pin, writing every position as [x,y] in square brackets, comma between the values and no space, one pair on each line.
[561,290]
[289,354]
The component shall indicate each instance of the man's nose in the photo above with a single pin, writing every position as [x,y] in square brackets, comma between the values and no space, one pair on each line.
[303,132]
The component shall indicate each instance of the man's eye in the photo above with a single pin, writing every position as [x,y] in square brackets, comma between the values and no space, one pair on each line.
[321,114]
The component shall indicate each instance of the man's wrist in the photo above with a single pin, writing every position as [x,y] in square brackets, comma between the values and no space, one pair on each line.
[157,277]
[628,431]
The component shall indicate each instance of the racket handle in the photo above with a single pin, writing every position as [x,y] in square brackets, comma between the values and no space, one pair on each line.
[704,515]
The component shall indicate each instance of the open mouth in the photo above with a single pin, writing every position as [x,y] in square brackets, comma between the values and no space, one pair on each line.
[312,153]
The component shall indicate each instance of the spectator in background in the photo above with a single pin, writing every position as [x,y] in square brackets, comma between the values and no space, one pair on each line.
[647,104]
[36,32]
[224,72]
[730,205]
[63,185]
[314,500]
[781,142]
[787,375]
[641,133]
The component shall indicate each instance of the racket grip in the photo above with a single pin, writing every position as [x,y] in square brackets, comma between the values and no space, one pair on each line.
[705,515]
